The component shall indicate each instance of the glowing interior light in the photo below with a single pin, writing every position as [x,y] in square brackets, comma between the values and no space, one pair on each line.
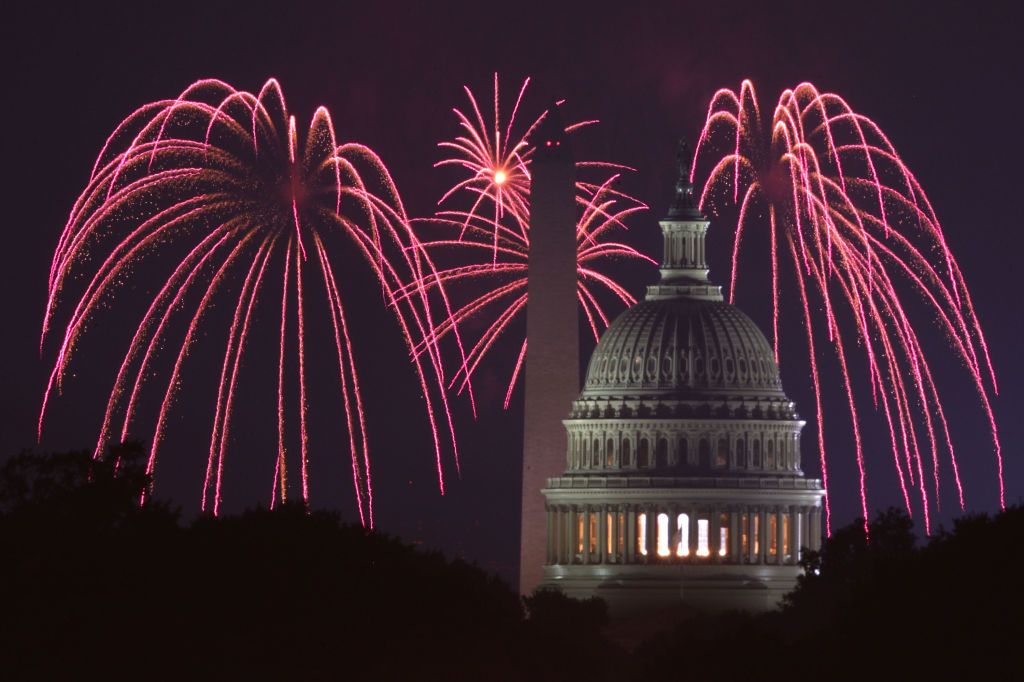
[683,548]
[500,177]
[663,535]
[702,538]
[641,534]
[723,541]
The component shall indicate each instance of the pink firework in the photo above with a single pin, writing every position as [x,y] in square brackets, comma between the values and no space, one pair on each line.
[488,239]
[859,234]
[221,181]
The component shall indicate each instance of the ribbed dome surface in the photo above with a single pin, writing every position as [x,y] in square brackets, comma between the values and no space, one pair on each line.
[682,348]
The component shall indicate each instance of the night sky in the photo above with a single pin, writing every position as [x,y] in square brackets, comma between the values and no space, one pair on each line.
[941,79]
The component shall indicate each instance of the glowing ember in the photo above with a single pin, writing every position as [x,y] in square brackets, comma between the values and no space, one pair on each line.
[222,177]
[852,222]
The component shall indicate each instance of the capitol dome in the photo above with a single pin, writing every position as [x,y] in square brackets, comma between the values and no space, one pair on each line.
[683,349]
[683,478]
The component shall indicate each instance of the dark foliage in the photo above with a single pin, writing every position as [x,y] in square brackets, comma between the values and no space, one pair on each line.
[875,607]
[92,582]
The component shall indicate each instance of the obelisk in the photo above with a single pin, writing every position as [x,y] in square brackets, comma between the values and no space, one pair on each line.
[552,332]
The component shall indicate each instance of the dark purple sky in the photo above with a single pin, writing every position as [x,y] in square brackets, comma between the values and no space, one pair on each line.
[943,82]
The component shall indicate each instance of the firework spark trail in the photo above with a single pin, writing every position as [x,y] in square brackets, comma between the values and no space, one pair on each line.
[226,176]
[485,243]
[857,225]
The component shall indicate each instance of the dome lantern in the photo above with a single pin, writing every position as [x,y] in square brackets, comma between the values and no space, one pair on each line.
[684,270]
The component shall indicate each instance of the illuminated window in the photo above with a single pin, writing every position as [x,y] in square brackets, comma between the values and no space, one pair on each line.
[641,534]
[773,535]
[702,538]
[579,533]
[757,534]
[609,455]
[723,535]
[683,543]
[769,461]
[663,535]
[786,550]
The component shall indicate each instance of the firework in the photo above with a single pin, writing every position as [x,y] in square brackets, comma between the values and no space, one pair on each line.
[488,238]
[224,177]
[859,234]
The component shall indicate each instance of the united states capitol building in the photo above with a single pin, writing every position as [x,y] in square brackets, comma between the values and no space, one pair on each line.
[682,480]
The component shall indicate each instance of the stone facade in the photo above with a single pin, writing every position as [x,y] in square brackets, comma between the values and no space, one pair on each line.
[683,480]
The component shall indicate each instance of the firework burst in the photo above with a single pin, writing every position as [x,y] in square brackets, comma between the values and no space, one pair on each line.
[489,240]
[225,178]
[858,231]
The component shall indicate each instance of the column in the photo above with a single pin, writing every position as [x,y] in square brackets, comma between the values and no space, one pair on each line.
[751,537]
[763,539]
[794,534]
[651,533]
[693,534]
[573,522]
[714,533]
[734,536]
[602,534]
[673,528]
[631,534]
[566,537]
[551,536]
[815,536]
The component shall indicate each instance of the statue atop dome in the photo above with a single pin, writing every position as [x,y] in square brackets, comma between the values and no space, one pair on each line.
[683,205]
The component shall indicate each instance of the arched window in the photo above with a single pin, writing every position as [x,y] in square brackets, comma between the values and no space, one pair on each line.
[661,455]
[723,534]
[641,534]
[755,448]
[663,549]
[703,539]
[683,535]
[741,454]
[769,461]
[609,453]
[643,454]
[722,453]
[595,454]
[684,451]
[704,450]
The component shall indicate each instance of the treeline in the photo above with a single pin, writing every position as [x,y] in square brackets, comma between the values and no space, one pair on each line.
[93,583]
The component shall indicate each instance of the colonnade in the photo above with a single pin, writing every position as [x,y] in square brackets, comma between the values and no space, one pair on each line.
[679,532]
